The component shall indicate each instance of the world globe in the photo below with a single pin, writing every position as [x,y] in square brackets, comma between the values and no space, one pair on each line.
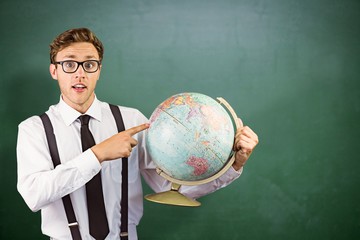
[190,139]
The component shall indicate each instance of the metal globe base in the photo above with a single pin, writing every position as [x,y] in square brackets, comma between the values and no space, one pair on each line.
[173,197]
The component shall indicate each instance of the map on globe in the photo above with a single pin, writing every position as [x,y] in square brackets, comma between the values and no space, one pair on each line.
[190,136]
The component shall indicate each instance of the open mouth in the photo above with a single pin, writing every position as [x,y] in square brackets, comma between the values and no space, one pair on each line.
[79,87]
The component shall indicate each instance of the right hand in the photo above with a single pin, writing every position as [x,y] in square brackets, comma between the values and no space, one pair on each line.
[119,145]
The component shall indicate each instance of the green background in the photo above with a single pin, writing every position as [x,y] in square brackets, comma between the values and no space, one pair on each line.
[289,68]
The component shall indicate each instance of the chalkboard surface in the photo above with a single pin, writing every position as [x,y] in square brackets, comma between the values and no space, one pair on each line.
[289,68]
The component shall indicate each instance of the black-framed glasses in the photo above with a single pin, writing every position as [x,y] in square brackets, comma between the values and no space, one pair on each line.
[71,66]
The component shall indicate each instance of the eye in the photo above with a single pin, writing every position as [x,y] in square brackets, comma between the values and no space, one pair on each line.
[69,64]
[89,65]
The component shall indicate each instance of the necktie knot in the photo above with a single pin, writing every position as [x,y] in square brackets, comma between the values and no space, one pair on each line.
[84,119]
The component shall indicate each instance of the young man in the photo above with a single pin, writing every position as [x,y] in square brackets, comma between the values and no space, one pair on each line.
[76,57]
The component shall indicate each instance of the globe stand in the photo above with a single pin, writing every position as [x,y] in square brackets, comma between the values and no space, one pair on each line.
[173,196]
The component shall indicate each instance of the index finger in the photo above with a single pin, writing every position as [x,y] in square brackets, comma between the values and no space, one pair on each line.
[134,130]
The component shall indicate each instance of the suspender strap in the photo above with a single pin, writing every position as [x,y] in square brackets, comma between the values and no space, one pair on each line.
[124,173]
[70,214]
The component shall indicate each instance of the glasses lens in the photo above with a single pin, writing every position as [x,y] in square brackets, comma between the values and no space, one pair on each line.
[91,66]
[69,66]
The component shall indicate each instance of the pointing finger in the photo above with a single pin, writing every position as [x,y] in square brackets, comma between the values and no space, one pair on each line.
[134,130]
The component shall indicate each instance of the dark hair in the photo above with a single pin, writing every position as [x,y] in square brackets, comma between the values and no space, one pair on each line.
[73,36]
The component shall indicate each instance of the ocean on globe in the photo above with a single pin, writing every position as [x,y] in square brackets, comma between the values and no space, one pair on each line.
[190,137]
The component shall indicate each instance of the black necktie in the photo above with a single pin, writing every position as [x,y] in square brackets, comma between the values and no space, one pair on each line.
[98,223]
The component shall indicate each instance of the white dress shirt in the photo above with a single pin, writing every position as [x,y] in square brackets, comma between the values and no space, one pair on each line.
[42,186]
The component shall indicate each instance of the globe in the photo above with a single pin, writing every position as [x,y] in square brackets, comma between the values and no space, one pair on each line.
[190,138]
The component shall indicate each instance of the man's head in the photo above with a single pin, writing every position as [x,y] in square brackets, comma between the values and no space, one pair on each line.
[76,64]
[73,36]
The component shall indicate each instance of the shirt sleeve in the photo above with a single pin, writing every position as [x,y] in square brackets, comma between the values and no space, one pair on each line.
[39,183]
[201,190]
[160,184]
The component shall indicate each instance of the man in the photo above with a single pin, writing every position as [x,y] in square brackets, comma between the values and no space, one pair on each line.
[76,57]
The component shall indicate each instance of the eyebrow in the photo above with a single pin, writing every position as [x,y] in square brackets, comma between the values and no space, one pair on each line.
[71,56]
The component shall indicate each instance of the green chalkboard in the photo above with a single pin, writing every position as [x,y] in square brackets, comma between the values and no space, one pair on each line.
[289,68]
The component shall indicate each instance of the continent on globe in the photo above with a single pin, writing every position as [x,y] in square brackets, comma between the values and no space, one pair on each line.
[200,165]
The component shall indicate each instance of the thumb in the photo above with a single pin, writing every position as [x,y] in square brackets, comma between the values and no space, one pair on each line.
[239,123]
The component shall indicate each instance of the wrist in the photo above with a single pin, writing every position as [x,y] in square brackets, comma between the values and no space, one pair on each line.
[97,152]
[237,166]
[240,160]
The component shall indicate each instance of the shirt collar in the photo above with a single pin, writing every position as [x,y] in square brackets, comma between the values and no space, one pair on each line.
[69,114]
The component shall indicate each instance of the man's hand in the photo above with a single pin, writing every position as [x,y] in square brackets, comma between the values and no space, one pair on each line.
[245,142]
[118,146]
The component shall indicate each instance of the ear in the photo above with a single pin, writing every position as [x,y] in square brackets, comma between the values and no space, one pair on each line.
[53,71]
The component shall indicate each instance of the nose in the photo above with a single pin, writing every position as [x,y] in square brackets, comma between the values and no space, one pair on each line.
[80,72]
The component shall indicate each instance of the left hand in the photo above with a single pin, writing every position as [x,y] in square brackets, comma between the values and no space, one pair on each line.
[245,142]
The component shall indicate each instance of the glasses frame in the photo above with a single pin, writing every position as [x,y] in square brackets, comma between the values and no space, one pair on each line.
[78,65]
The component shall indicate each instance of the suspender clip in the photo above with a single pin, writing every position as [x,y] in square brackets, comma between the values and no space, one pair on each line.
[74,224]
[124,234]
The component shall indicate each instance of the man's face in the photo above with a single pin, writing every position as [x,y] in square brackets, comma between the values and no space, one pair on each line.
[77,88]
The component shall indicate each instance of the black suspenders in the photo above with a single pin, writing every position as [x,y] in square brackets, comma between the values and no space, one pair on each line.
[124,180]
[69,210]
[49,131]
